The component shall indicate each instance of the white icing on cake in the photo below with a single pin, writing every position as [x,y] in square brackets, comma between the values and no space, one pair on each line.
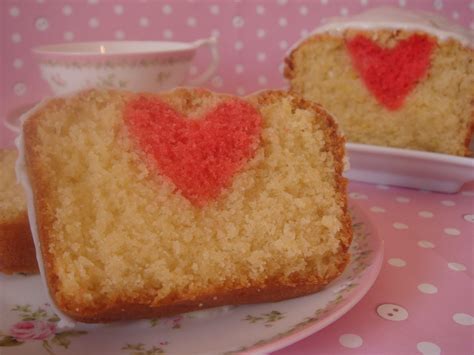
[395,18]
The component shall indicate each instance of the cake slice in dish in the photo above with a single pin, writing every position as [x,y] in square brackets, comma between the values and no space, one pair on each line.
[391,77]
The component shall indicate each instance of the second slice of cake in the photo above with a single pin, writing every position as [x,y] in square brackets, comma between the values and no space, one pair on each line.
[149,205]
[17,251]
[391,77]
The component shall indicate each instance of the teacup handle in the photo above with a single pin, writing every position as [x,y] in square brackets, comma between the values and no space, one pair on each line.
[201,78]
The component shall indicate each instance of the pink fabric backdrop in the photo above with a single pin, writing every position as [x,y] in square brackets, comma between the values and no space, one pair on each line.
[253,35]
[427,270]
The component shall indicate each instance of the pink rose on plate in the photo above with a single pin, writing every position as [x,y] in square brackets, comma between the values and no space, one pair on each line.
[33,330]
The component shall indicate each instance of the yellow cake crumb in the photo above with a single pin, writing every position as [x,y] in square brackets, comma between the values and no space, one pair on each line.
[121,230]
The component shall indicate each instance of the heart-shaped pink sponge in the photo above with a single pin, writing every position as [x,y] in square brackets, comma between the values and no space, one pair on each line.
[201,155]
[390,74]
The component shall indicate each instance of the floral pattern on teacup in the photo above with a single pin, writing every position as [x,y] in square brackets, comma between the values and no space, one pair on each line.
[99,63]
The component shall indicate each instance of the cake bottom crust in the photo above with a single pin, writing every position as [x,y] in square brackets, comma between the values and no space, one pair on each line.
[272,291]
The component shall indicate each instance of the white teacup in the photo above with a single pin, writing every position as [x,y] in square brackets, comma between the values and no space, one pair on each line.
[128,65]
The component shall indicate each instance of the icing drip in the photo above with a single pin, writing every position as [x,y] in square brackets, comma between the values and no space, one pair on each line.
[396,18]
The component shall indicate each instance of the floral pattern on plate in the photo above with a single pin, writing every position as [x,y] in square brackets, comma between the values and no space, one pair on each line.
[142,349]
[39,326]
[27,325]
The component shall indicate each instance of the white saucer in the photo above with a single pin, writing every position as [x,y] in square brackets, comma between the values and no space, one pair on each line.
[408,168]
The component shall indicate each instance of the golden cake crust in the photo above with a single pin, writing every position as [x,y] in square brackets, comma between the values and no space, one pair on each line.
[141,306]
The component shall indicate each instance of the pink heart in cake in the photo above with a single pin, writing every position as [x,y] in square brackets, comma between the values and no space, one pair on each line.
[199,155]
[390,74]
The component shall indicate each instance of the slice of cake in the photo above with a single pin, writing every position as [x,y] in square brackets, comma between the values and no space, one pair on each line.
[391,78]
[17,251]
[154,204]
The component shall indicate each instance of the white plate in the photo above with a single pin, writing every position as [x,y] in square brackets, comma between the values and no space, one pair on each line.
[24,315]
[408,168]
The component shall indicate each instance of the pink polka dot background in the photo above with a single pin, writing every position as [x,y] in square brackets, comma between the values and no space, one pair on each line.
[253,35]
[422,300]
